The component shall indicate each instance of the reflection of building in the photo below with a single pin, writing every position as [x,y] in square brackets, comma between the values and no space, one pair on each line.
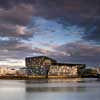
[56,88]
[42,65]
[39,61]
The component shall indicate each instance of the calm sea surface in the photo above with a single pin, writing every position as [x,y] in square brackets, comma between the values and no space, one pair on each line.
[71,89]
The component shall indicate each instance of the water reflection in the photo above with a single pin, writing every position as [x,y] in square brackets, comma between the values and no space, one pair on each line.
[53,85]
[77,89]
[59,85]
[72,80]
[55,89]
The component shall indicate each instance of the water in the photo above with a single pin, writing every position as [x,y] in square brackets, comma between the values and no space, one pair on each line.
[71,89]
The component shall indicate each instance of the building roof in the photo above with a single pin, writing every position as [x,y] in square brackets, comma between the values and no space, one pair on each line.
[67,64]
[41,57]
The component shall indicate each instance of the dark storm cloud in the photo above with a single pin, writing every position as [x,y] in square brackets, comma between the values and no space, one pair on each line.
[13,21]
[80,49]
[78,53]
[59,8]
[20,14]
[13,45]
[78,12]
[16,31]
[14,49]
[6,50]
[10,3]
[92,32]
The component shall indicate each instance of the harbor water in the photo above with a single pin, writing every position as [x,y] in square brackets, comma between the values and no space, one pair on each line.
[54,89]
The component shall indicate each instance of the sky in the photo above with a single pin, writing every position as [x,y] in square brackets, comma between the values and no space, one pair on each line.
[66,30]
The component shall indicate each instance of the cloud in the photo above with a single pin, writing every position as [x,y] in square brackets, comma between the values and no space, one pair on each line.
[80,12]
[58,8]
[74,52]
[13,48]
[59,17]
[17,31]
[9,4]
[78,53]
[18,15]
[92,33]
[13,21]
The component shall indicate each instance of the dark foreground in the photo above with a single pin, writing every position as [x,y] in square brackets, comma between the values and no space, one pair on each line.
[52,89]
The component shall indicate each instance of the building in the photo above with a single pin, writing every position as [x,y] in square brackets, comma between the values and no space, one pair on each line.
[3,71]
[34,71]
[39,61]
[7,71]
[42,65]
[98,70]
[89,72]
[11,71]
[21,72]
[68,70]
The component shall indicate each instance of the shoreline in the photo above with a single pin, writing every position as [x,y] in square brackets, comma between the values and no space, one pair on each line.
[41,77]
